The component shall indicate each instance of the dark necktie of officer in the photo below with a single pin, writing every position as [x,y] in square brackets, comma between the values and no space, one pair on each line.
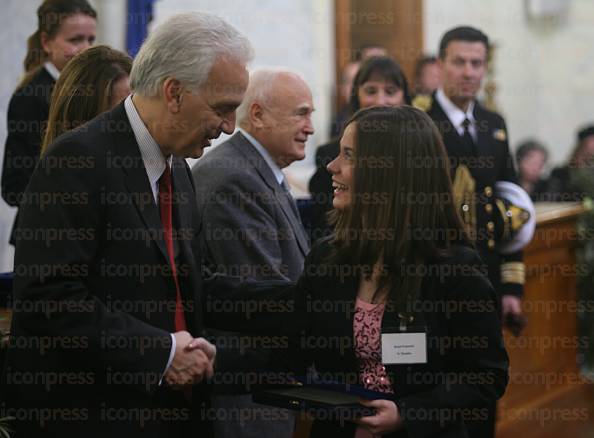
[166,210]
[467,139]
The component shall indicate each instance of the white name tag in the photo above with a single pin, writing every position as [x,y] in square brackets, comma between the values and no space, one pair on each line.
[400,348]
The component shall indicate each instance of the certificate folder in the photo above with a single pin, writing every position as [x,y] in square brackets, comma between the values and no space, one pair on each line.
[321,401]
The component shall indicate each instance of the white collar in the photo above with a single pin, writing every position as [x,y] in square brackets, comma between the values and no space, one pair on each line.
[52,70]
[152,156]
[278,173]
[455,114]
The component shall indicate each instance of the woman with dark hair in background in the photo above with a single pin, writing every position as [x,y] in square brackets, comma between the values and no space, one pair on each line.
[531,158]
[567,183]
[94,81]
[65,27]
[379,82]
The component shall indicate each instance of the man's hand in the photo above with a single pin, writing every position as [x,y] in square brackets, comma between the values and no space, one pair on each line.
[207,348]
[386,419]
[510,304]
[513,319]
[193,360]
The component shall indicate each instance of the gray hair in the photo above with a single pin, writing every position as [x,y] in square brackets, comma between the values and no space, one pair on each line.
[186,47]
[260,90]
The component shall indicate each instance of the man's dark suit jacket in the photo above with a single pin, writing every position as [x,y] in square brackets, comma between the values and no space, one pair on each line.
[467,363]
[489,163]
[28,112]
[94,296]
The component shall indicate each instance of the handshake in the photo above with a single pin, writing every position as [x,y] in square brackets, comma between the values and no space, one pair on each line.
[193,360]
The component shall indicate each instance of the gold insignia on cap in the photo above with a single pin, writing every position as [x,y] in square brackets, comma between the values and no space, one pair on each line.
[500,134]
[422,102]
[518,216]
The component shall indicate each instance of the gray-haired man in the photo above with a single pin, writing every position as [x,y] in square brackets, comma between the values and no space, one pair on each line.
[108,303]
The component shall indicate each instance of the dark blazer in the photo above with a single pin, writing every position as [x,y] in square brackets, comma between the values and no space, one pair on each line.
[250,227]
[563,186]
[320,188]
[467,363]
[489,163]
[94,296]
[28,112]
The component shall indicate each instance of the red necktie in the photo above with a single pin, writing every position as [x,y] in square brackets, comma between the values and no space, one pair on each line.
[166,210]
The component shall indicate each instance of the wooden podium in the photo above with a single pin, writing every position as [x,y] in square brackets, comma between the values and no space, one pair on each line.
[547,396]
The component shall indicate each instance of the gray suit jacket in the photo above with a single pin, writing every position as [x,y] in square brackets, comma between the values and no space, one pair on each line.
[249,225]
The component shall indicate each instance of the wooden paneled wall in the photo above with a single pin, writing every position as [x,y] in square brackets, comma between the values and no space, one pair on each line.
[394,24]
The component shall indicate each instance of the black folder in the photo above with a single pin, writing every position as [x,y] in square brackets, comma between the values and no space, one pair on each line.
[329,401]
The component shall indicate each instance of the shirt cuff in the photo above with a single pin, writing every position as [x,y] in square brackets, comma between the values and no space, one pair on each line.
[171,355]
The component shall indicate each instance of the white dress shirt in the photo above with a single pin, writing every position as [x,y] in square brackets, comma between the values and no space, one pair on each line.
[456,115]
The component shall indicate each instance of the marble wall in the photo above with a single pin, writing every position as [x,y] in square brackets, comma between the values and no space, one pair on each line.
[17,22]
[543,68]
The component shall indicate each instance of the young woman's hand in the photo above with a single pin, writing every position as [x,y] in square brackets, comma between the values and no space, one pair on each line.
[386,419]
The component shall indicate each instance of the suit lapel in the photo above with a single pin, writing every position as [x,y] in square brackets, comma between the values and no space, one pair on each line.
[445,126]
[484,136]
[244,147]
[183,196]
[136,179]
[182,188]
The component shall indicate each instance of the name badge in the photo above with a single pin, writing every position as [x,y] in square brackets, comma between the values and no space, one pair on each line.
[404,348]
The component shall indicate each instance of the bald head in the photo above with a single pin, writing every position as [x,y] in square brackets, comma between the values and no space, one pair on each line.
[276,111]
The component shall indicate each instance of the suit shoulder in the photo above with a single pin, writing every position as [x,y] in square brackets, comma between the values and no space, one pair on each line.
[91,138]
[219,154]
[461,266]
[225,162]
[222,175]
[491,116]
[39,85]
[459,254]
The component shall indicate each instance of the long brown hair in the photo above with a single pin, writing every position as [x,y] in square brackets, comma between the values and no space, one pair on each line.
[50,16]
[84,89]
[402,212]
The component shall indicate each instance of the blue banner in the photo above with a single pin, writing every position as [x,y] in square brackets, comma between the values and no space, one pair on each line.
[140,14]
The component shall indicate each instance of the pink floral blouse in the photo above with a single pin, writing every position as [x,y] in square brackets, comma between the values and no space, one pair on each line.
[367,330]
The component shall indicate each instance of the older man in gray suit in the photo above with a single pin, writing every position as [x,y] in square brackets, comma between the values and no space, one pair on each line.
[250,221]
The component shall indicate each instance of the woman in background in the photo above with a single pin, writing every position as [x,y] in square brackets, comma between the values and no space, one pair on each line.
[65,27]
[379,82]
[570,182]
[531,158]
[93,82]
